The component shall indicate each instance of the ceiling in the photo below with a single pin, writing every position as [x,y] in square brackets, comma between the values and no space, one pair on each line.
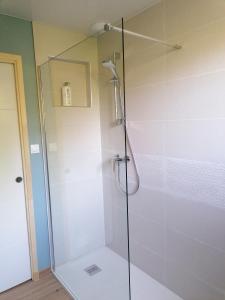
[75,14]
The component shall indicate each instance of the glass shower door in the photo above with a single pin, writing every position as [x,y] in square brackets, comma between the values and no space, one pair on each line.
[85,146]
[176,123]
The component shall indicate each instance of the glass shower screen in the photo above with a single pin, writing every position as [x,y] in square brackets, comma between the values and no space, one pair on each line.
[84,122]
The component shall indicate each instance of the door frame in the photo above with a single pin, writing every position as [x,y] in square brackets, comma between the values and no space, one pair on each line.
[16,61]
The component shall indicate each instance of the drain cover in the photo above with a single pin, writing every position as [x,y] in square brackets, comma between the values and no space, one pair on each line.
[92,270]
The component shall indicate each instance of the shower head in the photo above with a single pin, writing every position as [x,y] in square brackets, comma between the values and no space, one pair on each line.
[111,66]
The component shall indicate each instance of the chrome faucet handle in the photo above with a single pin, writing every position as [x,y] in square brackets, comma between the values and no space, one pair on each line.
[117,158]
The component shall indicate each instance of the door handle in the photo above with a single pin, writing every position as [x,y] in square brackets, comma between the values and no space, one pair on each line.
[19,179]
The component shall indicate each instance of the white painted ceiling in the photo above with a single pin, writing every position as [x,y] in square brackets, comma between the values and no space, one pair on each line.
[74,14]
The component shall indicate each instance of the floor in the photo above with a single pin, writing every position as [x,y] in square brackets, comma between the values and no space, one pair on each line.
[111,282]
[47,288]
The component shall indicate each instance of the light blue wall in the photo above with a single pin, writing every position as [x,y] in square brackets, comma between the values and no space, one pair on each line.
[16,37]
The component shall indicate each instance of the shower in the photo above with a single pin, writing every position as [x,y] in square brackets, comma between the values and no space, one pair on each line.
[105,243]
[120,120]
[111,66]
[98,29]
[119,114]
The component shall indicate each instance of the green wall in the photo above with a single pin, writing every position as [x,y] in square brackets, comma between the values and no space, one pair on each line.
[16,37]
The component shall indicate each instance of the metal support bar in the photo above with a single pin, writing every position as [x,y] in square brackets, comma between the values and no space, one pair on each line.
[109,27]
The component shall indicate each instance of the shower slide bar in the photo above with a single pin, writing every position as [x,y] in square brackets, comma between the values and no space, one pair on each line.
[108,27]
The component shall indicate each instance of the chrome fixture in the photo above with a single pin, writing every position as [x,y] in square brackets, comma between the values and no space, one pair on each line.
[120,120]
[119,115]
[109,27]
[110,65]
[119,159]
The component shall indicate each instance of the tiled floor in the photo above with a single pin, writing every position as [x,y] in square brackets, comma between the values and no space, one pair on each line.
[112,281]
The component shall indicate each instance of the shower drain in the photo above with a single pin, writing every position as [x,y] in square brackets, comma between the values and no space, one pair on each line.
[92,270]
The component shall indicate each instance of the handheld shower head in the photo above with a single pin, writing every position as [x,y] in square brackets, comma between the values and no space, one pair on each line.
[111,66]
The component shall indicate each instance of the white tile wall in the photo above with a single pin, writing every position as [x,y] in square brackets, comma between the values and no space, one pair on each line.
[197,258]
[176,124]
[75,166]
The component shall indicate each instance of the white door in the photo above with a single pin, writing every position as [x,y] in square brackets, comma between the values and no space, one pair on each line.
[14,248]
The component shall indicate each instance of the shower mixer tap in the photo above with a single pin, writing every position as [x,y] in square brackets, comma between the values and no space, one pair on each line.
[118,159]
[120,121]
